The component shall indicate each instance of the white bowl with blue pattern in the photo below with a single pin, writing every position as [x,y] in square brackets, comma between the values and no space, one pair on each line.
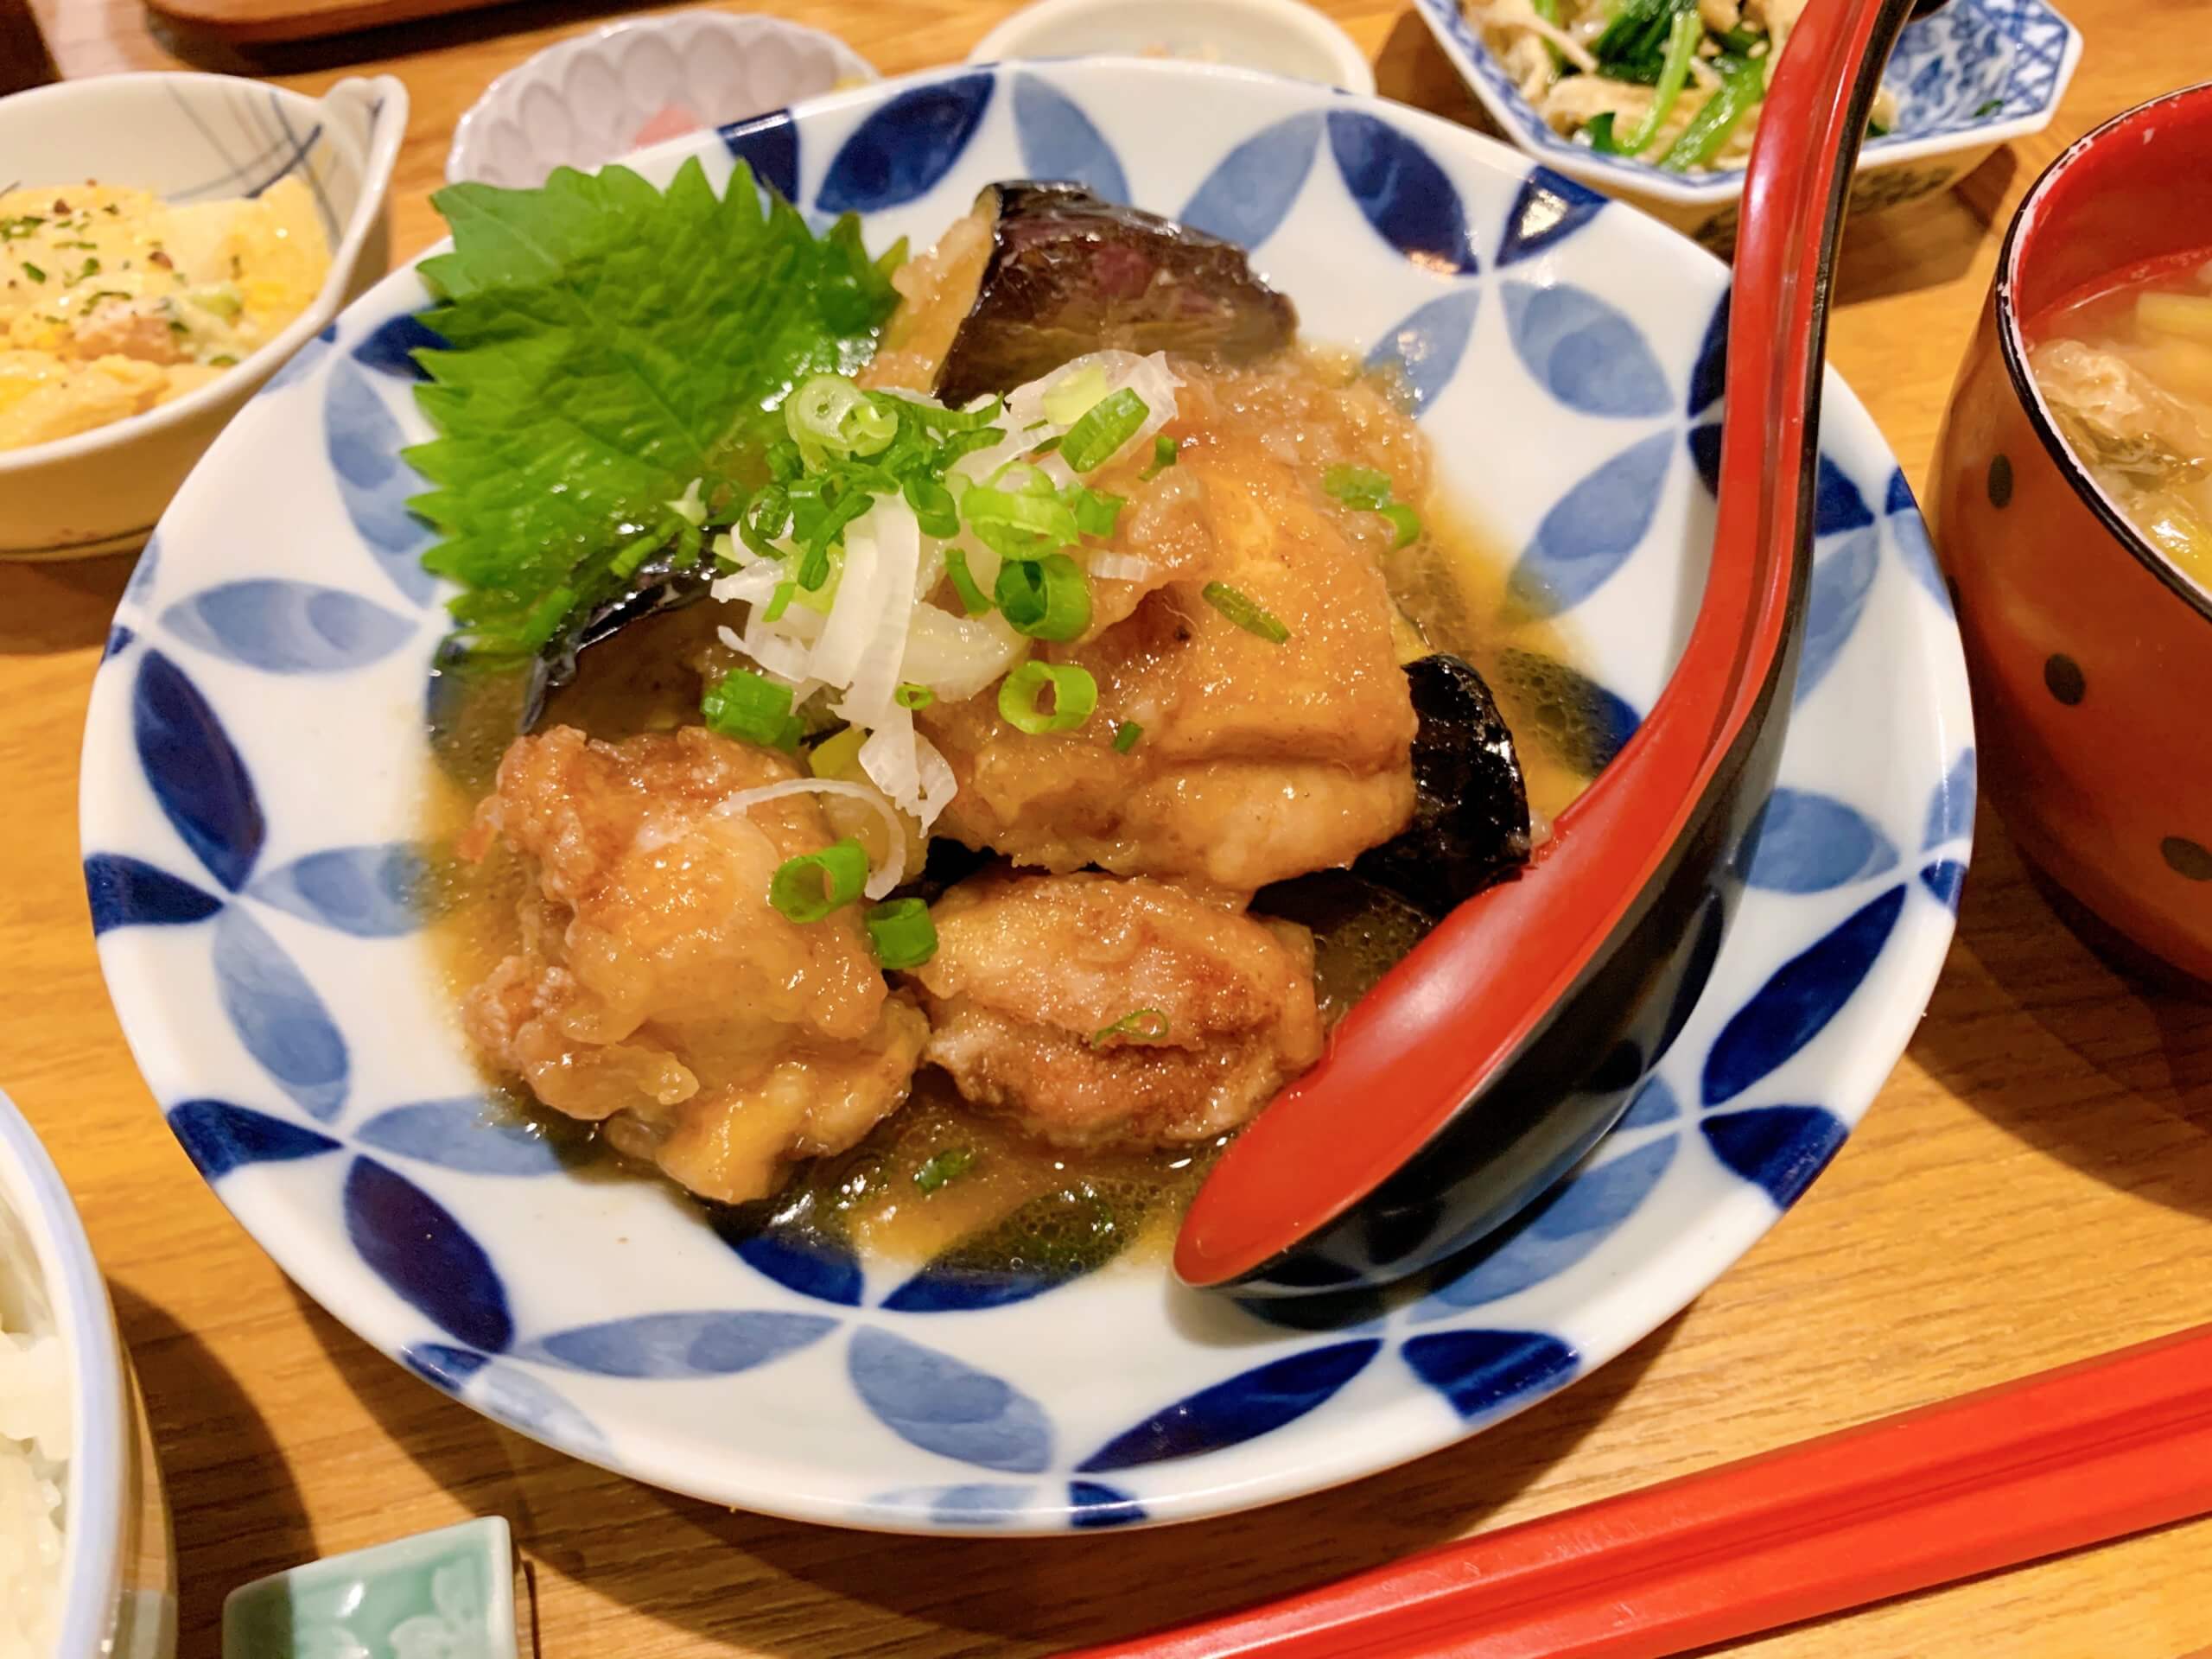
[252,788]
[1974,75]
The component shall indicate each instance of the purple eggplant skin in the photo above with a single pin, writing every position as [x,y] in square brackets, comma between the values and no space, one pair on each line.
[1470,827]
[1070,273]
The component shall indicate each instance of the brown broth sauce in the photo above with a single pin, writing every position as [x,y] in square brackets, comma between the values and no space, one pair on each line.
[1017,1204]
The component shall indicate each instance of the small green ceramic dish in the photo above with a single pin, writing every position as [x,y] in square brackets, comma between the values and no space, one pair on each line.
[448,1594]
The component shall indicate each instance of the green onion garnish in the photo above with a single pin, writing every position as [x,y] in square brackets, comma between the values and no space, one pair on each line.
[1164,451]
[752,709]
[831,413]
[933,506]
[972,600]
[1045,599]
[1046,448]
[780,601]
[1021,695]
[810,887]
[1068,401]
[1105,427]
[1017,523]
[1244,612]
[1359,486]
[1096,511]
[1126,735]
[1406,522]
[910,695]
[943,1167]
[901,933]
[1139,1026]
[32,272]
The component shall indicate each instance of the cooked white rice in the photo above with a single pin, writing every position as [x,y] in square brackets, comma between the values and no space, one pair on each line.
[34,1450]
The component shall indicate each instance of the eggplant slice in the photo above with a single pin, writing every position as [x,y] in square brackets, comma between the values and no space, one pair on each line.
[1471,813]
[1070,273]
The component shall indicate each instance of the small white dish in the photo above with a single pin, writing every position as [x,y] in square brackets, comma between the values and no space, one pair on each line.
[118,1590]
[593,100]
[188,137]
[1283,37]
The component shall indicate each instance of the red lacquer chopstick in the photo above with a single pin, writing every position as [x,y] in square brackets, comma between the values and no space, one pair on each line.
[2054,1462]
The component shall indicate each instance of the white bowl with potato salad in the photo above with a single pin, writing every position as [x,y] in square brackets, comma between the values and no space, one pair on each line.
[167,241]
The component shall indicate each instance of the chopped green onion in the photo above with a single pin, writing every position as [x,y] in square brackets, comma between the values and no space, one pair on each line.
[942,1167]
[1105,427]
[1406,522]
[831,413]
[780,601]
[901,933]
[933,506]
[1046,448]
[1022,695]
[910,695]
[1045,599]
[979,414]
[810,887]
[963,582]
[1138,1025]
[32,272]
[1126,735]
[1068,402]
[1164,451]
[1244,612]
[1359,486]
[1016,523]
[752,709]
[1598,130]
[1096,511]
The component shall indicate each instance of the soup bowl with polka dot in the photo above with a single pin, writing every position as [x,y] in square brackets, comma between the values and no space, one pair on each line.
[256,771]
[2090,653]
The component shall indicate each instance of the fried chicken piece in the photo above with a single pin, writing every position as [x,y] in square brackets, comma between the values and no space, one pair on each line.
[656,989]
[1259,758]
[1030,972]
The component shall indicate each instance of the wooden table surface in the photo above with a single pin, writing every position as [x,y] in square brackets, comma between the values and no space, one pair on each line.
[2034,1185]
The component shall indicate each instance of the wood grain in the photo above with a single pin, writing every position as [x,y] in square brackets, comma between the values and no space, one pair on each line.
[2034,1186]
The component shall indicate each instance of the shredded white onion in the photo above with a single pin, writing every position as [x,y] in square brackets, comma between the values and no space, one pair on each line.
[879,881]
[957,656]
[897,535]
[1119,567]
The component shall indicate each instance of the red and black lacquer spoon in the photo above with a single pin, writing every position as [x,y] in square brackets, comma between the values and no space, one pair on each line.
[1498,1053]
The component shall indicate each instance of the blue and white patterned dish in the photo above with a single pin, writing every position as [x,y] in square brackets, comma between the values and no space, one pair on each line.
[254,772]
[1974,75]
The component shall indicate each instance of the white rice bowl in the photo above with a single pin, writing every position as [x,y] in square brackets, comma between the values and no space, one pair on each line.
[65,1439]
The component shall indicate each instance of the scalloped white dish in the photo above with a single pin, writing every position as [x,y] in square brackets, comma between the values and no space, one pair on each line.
[585,102]
[251,800]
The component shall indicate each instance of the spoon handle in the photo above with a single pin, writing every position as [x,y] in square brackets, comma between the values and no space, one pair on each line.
[1484,990]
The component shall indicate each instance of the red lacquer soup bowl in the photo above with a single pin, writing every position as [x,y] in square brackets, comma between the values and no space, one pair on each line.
[2091,654]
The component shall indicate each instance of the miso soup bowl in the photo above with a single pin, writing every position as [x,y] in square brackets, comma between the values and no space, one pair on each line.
[2090,655]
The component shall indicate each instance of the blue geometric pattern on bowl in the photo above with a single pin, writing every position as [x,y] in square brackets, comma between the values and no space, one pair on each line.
[1975,64]
[253,780]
